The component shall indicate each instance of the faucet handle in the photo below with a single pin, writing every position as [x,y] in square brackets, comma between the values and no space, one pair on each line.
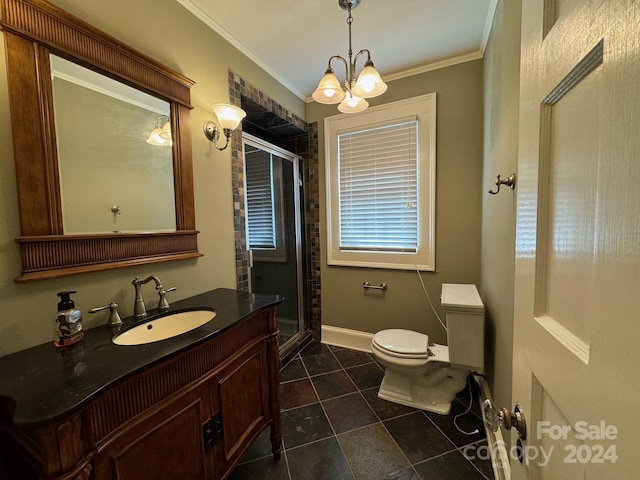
[163,304]
[114,317]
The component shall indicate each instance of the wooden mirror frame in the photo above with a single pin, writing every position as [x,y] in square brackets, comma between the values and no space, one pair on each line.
[32,30]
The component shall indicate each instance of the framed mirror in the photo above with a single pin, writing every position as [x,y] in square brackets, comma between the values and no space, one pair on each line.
[102,183]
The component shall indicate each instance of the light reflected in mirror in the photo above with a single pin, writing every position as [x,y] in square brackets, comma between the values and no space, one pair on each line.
[115,155]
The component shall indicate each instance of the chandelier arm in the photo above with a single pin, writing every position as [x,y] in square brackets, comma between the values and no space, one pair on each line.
[340,57]
[346,68]
[361,52]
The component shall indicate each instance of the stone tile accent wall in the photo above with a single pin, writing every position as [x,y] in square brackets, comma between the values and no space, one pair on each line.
[306,146]
[312,230]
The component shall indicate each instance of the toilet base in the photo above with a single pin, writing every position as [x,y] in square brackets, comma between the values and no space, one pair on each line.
[413,392]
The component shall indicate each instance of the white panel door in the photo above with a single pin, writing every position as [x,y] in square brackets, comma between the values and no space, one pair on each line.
[577,292]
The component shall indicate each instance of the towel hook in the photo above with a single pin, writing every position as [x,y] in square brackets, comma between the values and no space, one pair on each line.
[510,182]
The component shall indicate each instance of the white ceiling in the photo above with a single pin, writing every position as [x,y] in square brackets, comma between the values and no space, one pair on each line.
[293,40]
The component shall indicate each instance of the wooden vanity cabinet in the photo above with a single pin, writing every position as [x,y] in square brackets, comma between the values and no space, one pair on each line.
[243,406]
[190,417]
[165,444]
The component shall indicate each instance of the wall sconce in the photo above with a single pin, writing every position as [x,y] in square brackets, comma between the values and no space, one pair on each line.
[161,134]
[229,117]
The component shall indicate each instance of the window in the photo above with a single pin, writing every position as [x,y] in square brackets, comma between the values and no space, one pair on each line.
[381,186]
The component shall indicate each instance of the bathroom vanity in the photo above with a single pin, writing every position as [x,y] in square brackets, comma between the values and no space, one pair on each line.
[182,408]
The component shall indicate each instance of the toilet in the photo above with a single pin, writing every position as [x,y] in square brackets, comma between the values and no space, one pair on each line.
[427,375]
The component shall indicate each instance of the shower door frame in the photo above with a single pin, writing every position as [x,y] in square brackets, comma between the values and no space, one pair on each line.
[297,185]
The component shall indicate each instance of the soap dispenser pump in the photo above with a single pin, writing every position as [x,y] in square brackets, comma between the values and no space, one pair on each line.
[68,322]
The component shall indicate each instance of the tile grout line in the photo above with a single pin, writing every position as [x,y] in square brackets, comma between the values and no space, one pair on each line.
[335,435]
[474,465]
[344,369]
[381,423]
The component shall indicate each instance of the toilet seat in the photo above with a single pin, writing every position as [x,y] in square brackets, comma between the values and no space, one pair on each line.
[401,343]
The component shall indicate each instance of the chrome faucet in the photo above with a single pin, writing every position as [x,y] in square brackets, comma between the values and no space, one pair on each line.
[139,309]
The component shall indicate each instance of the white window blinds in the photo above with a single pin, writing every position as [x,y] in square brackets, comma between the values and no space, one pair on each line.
[260,208]
[378,191]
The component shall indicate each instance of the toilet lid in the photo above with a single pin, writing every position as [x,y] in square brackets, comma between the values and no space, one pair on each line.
[404,342]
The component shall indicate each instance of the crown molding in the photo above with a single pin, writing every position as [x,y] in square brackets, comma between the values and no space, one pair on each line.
[216,27]
[488,24]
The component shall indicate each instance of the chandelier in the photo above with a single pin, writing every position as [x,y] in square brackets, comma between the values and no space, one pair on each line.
[351,99]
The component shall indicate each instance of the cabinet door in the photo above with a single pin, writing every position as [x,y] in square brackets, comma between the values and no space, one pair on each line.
[243,402]
[165,444]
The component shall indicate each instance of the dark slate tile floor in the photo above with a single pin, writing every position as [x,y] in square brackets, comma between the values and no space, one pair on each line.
[335,427]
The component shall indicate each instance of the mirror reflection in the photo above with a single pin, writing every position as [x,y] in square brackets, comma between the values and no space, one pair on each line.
[115,155]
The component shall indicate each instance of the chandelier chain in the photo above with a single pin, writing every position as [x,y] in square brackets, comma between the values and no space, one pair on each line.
[351,68]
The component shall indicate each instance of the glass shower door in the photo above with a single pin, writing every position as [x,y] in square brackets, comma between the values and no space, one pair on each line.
[274,229]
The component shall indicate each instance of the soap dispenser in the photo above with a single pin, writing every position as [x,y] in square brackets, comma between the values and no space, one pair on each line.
[68,322]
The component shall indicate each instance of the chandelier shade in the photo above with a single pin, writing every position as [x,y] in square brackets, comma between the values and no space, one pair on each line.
[329,89]
[353,104]
[369,83]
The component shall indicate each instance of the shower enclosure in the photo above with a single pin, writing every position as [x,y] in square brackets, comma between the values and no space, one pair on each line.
[274,231]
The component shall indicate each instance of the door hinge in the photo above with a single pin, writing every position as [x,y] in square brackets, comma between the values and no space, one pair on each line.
[212,431]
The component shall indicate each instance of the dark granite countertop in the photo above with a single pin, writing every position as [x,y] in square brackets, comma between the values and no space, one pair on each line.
[44,383]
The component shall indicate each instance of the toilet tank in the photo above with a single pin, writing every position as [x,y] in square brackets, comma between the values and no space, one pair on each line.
[465,325]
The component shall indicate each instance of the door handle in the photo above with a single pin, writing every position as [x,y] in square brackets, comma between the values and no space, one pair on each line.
[503,417]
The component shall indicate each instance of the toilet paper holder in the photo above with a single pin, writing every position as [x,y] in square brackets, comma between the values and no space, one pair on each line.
[383,286]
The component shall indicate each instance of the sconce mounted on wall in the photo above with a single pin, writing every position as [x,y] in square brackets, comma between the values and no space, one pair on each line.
[510,182]
[229,117]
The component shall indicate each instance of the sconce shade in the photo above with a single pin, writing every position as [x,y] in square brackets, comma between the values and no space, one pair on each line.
[166,131]
[160,135]
[155,138]
[229,116]
[353,104]
[329,90]
[369,83]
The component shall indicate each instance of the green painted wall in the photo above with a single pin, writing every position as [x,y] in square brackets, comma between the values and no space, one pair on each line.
[466,216]
[165,31]
[501,97]
[458,212]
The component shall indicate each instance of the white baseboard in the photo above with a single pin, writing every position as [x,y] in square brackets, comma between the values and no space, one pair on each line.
[344,337]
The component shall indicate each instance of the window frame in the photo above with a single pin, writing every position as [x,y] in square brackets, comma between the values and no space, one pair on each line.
[423,108]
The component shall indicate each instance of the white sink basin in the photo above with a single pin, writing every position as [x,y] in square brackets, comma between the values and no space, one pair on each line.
[164,327]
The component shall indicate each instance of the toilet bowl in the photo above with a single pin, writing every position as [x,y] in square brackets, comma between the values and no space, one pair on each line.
[427,375]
